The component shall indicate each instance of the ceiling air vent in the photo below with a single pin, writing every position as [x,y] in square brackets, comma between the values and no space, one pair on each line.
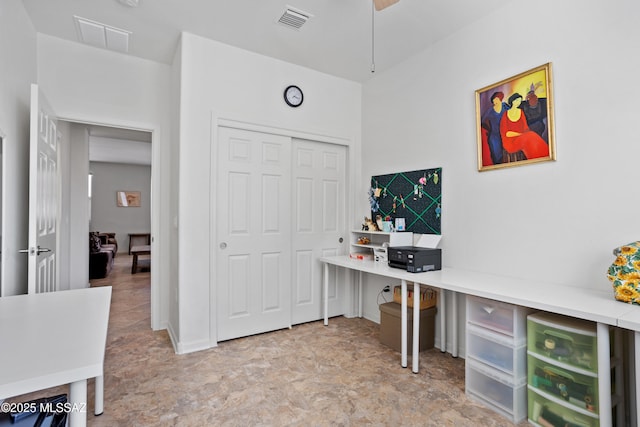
[294,18]
[100,35]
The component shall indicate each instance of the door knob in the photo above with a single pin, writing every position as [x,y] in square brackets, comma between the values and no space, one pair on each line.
[34,251]
[223,245]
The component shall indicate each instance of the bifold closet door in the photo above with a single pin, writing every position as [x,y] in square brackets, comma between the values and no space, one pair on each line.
[319,175]
[253,233]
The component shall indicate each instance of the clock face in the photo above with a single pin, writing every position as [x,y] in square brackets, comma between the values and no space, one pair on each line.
[293,96]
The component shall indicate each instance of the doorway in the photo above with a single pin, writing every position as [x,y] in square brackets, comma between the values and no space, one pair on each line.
[100,160]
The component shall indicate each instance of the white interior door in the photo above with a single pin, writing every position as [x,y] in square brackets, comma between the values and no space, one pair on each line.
[253,233]
[43,195]
[319,175]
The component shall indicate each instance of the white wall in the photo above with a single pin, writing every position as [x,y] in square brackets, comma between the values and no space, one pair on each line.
[106,216]
[173,326]
[90,85]
[557,221]
[78,209]
[18,52]
[222,82]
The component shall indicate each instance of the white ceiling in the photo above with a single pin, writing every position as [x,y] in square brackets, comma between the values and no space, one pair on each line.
[336,40]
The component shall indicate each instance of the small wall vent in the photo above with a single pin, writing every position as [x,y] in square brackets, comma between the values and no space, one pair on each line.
[294,18]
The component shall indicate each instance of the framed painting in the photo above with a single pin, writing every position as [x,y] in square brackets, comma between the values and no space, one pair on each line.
[128,199]
[515,120]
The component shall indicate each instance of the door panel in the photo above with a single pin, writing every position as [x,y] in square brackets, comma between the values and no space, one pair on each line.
[319,173]
[43,195]
[253,232]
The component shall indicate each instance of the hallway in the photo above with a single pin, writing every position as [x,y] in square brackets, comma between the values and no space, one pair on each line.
[310,375]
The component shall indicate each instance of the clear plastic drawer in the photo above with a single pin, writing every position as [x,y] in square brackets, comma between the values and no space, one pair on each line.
[543,411]
[504,318]
[496,350]
[496,390]
[565,340]
[578,391]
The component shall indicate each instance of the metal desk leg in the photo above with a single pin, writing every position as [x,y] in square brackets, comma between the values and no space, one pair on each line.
[454,326]
[78,400]
[326,294]
[359,293]
[99,398]
[636,355]
[604,375]
[403,323]
[442,310]
[415,361]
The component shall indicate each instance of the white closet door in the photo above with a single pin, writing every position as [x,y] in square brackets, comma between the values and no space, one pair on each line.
[254,233]
[319,202]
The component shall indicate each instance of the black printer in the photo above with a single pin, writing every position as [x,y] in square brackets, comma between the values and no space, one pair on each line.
[414,259]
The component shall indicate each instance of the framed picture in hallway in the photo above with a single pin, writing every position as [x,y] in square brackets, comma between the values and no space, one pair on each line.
[128,199]
[514,120]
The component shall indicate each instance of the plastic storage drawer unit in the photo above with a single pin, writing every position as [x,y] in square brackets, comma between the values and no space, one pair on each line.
[391,324]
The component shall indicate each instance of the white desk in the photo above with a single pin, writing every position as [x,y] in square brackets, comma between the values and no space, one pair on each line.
[52,339]
[365,266]
[594,305]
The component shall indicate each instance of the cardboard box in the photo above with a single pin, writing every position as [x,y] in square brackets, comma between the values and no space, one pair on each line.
[428,296]
[390,326]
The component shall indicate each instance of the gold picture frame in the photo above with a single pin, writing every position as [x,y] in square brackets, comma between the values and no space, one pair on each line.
[128,199]
[514,120]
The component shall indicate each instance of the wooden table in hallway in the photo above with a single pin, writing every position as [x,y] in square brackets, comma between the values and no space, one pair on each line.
[137,251]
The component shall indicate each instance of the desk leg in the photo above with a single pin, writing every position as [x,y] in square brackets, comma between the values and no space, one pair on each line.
[443,315]
[454,324]
[403,322]
[326,294]
[78,400]
[360,294]
[604,375]
[415,361]
[99,400]
[636,344]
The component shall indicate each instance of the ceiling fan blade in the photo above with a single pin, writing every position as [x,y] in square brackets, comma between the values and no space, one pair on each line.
[381,4]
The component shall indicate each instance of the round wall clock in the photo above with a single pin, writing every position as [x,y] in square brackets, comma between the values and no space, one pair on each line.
[293,96]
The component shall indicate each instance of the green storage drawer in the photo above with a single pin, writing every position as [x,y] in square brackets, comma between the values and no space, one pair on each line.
[578,391]
[568,342]
[543,411]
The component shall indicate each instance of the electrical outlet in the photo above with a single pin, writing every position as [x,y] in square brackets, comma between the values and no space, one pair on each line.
[386,289]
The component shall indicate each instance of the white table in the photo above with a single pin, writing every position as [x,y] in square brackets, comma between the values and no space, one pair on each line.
[381,269]
[594,305]
[55,338]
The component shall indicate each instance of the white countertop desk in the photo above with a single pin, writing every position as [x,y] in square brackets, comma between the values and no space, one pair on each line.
[594,305]
[55,338]
[381,269]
